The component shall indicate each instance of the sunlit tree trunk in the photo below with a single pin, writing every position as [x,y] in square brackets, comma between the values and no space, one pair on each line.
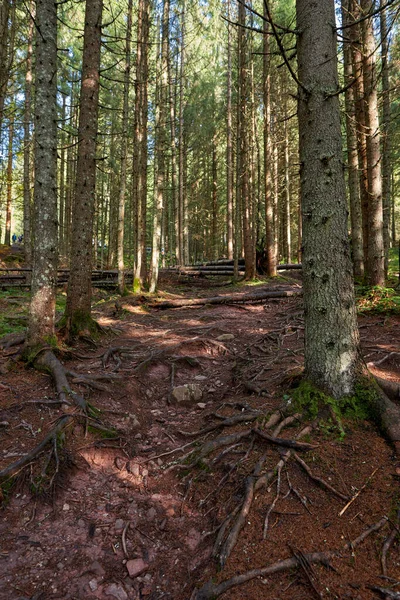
[375,256]
[229,143]
[7,239]
[352,153]
[359,111]
[331,335]
[124,155]
[244,124]
[268,183]
[386,134]
[4,71]
[140,172]
[78,308]
[183,229]
[161,139]
[27,143]
[41,324]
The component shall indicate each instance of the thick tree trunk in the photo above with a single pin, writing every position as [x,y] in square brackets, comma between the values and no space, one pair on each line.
[375,257]
[352,154]
[331,335]
[287,220]
[124,154]
[61,191]
[78,309]
[44,269]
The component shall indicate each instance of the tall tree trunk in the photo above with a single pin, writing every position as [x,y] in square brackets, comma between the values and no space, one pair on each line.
[183,229]
[331,335]
[41,325]
[268,184]
[161,139]
[61,194]
[386,141]
[7,239]
[287,220]
[375,257]
[141,142]
[359,110]
[27,143]
[124,154]
[352,153]
[214,173]
[78,308]
[244,124]
[4,71]
[229,142]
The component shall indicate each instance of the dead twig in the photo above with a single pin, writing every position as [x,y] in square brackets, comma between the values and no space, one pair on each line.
[358,493]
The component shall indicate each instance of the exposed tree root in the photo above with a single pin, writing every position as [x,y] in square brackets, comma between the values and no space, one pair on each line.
[211,591]
[386,593]
[47,361]
[319,480]
[388,543]
[19,464]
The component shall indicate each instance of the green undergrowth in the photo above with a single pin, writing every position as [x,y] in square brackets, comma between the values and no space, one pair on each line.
[312,402]
[378,300]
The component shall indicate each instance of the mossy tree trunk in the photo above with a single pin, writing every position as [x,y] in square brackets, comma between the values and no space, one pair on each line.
[331,334]
[78,309]
[44,268]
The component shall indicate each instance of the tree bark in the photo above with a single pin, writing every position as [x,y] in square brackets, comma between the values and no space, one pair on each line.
[386,135]
[7,239]
[244,128]
[161,139]
[268,183]
[124,154]
[331,334]
[141,111]
[229,142]
[352,154]
[78,308]
[41,324]
[4,72]
[375,256]
[27,143]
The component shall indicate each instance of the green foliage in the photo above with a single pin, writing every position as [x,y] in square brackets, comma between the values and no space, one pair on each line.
[378,300]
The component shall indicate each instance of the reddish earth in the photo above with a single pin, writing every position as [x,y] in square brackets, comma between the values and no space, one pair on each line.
[70,544]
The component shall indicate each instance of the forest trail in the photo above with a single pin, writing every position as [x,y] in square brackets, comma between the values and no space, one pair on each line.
[127,499]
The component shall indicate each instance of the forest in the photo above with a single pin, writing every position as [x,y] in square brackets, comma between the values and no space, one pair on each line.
[199,299]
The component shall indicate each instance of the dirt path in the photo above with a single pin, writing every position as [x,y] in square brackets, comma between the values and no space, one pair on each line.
[118,500]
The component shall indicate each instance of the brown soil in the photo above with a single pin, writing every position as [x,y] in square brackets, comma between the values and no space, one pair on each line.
[70,545]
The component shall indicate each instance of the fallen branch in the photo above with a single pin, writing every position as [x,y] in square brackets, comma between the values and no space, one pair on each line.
[253,297]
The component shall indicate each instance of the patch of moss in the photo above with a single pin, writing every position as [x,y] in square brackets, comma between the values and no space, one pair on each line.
[360,406]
